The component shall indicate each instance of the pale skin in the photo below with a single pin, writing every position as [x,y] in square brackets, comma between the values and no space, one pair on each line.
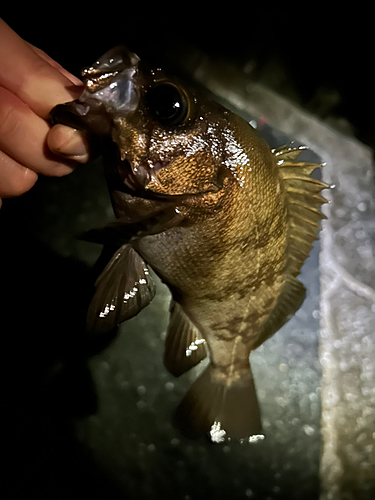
[31,84]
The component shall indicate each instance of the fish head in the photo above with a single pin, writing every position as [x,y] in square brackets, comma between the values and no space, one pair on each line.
[169,140]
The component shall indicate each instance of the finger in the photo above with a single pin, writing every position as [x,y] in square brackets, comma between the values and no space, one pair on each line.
[15,179]
[54,64]
[31,78]
[69,143]
[23,137]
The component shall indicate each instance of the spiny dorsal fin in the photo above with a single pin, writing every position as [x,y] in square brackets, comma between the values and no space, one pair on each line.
[304,201]
[184,346]
[290,299]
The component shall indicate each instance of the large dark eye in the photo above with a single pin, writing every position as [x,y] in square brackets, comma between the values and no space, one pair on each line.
[167,103]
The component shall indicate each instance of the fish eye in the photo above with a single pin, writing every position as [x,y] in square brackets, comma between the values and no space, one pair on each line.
[167,103]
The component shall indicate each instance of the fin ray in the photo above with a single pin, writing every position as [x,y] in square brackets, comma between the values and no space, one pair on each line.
[219,408]
[290,299]
[123,288]
[303,200]
[285,153]
[184,346]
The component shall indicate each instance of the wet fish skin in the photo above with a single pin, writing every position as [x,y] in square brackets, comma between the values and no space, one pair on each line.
[224,221]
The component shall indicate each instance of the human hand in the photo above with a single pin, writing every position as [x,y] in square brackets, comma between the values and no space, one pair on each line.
[31,84]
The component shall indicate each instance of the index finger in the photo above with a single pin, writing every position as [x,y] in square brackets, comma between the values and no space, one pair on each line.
[76,81]
[31,77]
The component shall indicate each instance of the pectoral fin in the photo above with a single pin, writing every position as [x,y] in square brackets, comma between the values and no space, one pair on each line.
[123,289]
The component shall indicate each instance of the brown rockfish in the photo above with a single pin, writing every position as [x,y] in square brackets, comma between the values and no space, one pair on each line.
[222,219]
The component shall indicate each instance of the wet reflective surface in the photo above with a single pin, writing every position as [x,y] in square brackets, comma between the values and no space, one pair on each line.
[104,424]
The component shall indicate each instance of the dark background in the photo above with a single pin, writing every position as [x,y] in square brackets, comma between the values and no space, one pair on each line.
[321,56]
[323,60]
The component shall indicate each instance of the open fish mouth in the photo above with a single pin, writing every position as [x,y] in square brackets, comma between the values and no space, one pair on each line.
[137,177]
[134,179]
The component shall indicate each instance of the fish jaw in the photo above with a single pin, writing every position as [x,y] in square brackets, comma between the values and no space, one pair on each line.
[88,115]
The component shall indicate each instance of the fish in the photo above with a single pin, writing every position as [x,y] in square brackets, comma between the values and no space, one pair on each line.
[225,221]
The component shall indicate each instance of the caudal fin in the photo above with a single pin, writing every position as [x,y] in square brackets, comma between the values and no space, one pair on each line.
[221,409]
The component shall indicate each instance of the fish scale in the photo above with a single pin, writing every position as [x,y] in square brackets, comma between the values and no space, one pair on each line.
[224,221]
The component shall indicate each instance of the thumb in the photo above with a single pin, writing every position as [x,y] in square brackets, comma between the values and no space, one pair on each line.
[69,143]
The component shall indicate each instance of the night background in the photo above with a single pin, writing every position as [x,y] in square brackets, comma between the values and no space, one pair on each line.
[320,56]
[320,59]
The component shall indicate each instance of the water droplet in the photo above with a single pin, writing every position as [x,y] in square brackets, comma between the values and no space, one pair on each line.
[141,390]
[256,437]
[217,433]
[316,314]
[362,206]
[169,386]
[141,405]
[309,430]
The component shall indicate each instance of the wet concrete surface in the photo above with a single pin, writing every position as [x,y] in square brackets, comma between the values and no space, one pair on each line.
[94,416]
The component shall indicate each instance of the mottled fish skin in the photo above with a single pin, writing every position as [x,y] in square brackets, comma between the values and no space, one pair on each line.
[226,262]
[224,221]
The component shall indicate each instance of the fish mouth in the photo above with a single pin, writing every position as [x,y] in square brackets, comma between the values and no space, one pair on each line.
[127,177]
[111,86]
[133,179]
[89,115]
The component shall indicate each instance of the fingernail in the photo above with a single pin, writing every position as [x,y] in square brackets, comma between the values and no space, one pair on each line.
[75,146]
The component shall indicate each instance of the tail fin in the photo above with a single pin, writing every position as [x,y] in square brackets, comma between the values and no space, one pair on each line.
[222,409]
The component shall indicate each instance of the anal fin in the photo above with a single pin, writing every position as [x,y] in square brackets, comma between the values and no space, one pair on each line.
[184,346]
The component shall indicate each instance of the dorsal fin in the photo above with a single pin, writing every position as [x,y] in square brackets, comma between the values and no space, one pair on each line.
[304,201]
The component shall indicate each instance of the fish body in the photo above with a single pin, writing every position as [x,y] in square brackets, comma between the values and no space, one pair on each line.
[224,221]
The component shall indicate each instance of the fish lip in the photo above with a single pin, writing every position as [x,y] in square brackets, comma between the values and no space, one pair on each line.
[88,115]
